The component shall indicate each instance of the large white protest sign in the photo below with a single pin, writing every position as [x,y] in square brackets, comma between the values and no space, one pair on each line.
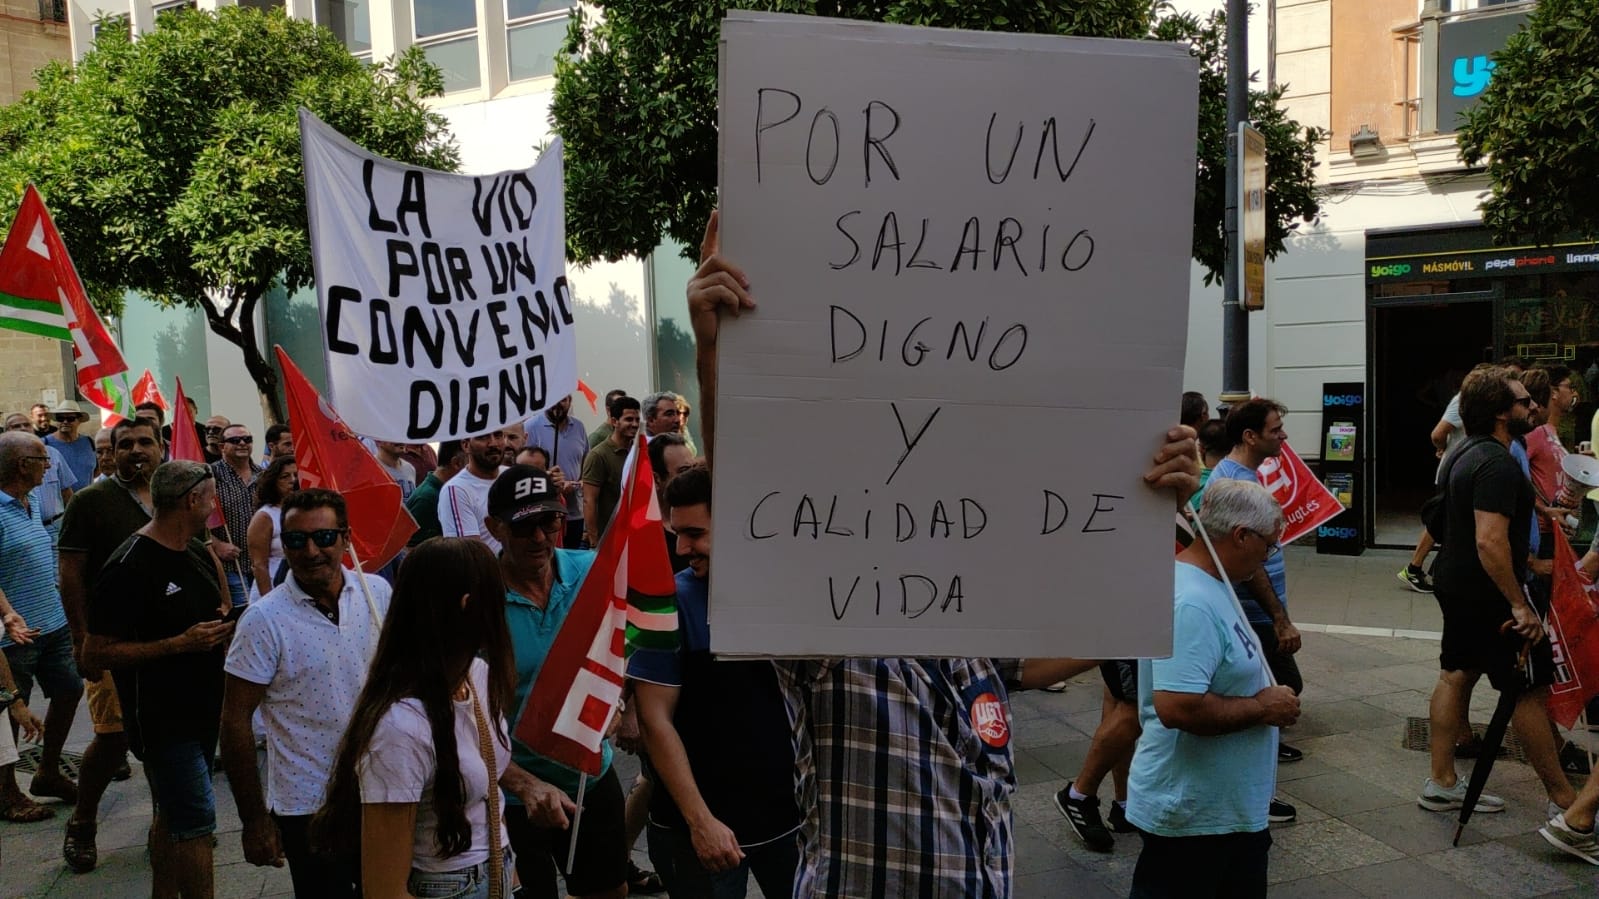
[970,258]
[445,307]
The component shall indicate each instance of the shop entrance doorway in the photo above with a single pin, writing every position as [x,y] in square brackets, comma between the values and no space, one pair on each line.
[1420,351]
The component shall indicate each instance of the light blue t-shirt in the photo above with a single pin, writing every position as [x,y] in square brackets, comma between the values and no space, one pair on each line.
[1227,469]
[80,459]
[533,631]
[1181,784]
[1518,451]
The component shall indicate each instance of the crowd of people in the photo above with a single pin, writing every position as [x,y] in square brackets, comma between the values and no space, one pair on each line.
[364,721]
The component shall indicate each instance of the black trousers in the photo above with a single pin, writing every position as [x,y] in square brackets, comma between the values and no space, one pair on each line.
[1283,666]
[1220,866]
[316,876]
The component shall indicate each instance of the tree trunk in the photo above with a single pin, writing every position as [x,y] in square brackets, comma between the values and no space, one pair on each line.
[243,336]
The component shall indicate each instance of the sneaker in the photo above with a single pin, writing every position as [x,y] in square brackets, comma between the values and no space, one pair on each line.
[1286,754]
[1415,579]
[1056,687]
[1117,819]
[1570,840]
[1281,812]
[1573,759]
[1083,816]
[1434,798]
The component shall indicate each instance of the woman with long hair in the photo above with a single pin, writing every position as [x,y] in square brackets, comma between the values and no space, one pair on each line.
[281,478]
[417,774]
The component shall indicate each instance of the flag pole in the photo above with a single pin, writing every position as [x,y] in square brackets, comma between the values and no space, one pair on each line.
[1193,518]
[366,589]
[237,568]
[577,819]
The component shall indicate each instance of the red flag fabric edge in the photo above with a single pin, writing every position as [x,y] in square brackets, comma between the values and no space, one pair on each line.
[1574,635]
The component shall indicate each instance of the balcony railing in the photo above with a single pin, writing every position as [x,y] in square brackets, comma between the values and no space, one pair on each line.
[53,11]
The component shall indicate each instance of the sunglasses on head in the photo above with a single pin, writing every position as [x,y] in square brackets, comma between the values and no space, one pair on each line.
[322,537]
[246,440]
[550,523]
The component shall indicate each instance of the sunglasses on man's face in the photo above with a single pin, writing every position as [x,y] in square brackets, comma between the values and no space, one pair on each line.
[550,523]
[322,537]
[238,440]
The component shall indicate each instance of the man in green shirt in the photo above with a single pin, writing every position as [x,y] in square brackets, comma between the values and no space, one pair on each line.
[602,468]
[603,433]
[423,503]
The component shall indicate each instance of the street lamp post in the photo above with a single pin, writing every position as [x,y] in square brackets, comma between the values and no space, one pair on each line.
[1235,319]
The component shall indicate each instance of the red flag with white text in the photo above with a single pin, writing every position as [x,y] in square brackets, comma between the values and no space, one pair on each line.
[328,454]
[578,687]
[1306,501]
[40,293]
[1573,635]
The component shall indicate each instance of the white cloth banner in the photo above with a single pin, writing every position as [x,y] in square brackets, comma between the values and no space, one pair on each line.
[445,307]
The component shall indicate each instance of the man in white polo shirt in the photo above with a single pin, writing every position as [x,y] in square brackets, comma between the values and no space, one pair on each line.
[299,656]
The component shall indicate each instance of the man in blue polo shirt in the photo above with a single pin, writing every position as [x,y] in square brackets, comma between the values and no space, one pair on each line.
[38,644]
[527,517]
[719,738]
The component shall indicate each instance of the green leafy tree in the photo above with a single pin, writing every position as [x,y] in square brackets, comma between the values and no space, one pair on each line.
[172,163]
[1537,127]
[635,103]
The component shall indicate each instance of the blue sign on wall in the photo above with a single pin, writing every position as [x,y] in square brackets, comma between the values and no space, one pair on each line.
[1465,65]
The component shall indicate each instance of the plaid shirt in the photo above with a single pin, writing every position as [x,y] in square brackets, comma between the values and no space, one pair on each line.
[237,501]
[904,795]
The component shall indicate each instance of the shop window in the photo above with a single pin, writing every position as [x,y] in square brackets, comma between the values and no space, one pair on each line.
[534,32]
[447,31]
[669,270]
[164,8]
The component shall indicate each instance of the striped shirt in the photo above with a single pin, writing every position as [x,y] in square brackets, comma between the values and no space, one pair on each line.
[463,504]
[28,567]
[904,773]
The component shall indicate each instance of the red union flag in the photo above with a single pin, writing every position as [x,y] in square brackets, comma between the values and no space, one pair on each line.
[1306,501]
[329,455]
[40,293]
[1574,637]
[571,703]
[186,445]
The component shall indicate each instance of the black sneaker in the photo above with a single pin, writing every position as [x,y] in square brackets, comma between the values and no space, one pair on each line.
[1573,759]
[1083,816]
[1286,754]
[1117,819]
[1415,579]
[1281,812]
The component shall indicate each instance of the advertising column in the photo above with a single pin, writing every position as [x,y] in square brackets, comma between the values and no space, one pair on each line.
[1343,406]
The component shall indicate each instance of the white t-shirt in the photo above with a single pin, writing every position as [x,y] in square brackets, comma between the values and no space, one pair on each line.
[399,766]
[463,504]
[313,671]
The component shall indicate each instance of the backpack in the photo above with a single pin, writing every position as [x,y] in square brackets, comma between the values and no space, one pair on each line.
[1434,512]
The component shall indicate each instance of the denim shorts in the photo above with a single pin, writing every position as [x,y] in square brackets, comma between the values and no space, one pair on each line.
[463,883]
[47,661]
[180,785]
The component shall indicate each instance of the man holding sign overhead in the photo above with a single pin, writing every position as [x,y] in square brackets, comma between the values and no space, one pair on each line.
[917,751]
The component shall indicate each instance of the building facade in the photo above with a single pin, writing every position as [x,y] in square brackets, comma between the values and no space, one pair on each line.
[1397,287]
[32,33]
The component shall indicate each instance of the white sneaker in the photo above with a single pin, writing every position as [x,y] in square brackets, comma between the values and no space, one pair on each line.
[1570,841]
[1442,799]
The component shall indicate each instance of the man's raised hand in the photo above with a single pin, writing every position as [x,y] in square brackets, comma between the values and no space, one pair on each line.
[716,287]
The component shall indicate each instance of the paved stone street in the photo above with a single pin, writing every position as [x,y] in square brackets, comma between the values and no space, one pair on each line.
[1369,661]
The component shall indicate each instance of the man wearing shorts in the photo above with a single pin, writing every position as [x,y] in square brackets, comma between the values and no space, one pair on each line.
[156,620]
[98,520]
[1478,580]
[36,640]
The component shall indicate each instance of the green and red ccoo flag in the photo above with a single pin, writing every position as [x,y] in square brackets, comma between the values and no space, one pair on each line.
[628,598]
[41,294]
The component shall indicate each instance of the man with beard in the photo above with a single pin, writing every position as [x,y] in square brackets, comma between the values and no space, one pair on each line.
[557,431]
[602,470]
[99,519]
[1478,582]
[464,499]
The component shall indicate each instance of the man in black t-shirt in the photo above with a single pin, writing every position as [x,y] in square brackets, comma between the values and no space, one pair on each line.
[719,739]
[157,621]
[1478,582]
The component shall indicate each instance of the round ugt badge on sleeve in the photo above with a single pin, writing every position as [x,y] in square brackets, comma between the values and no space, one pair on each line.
[988,719]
